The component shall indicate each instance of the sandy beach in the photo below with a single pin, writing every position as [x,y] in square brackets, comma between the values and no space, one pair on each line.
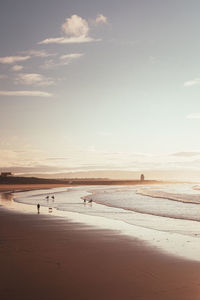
[45,257]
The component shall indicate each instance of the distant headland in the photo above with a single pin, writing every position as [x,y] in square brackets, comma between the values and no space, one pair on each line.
[9,179]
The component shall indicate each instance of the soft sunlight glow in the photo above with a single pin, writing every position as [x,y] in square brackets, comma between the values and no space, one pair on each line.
[120,102]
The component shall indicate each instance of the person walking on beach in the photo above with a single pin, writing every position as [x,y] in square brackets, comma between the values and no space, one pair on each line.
[38,208]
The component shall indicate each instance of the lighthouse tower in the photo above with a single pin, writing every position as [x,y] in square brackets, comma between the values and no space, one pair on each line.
[142,177]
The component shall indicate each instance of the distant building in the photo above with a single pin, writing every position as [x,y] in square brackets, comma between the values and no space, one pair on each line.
[142,177]
[6,174]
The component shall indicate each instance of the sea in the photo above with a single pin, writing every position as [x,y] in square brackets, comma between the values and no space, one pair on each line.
[165,216]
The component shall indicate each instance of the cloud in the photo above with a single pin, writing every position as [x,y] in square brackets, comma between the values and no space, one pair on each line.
[64,60]
[75,30]
[13,59]
[33,79]
[37,53]
[17,68]
[75,26]
[193,82]
[101,19]
[67,58]
[25,93]
[25,56]
[193,116]
[70,40]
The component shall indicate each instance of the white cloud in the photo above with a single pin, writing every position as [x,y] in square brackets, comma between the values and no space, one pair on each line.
[64,60]
[70,40]
[17,68]
[71,56]
[13,59]
[195,81]
[68,58]
[33,79]
[101,19]
[25,93]
[75,27]
[75,30]
[37,53]
[193,116]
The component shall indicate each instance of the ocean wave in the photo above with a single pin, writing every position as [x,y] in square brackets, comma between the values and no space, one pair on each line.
[150,202]
[185,198]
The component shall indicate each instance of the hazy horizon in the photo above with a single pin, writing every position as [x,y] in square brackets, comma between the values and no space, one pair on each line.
[164,175]
[90,85]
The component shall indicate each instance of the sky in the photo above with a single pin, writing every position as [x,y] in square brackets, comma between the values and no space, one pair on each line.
[99,85]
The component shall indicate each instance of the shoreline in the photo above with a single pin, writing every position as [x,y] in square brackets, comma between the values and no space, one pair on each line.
[174,244]
[60,259]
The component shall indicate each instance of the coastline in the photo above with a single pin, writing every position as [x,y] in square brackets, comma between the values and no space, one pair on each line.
[60,259]
[142,227]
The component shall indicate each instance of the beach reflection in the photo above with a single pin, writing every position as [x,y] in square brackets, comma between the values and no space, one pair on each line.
[6,200]
[6,196]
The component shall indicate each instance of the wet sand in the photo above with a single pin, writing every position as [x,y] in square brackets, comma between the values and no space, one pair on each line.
[44,257]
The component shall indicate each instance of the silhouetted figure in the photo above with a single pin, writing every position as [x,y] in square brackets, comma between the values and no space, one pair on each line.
[53,198]
[50,209]
[90,202]
[38,208]
[84,200]
[47,197]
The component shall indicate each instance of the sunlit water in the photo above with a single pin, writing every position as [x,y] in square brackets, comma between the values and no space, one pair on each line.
[166,216]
